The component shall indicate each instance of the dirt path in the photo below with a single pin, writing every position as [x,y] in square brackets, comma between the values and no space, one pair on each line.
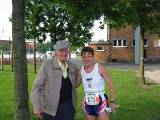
[153,75]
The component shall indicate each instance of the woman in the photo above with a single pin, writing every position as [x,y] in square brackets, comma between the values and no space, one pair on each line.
[93,76]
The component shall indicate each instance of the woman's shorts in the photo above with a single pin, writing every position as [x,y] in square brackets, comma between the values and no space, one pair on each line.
[98,109]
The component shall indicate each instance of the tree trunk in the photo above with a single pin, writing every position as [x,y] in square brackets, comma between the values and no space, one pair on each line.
[142,78]
[20,61]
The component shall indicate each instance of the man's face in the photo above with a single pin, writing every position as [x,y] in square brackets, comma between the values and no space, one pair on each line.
[62,54]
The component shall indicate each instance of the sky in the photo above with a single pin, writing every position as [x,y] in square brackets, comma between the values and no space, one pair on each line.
[5,12]
[6,26]
[99,34]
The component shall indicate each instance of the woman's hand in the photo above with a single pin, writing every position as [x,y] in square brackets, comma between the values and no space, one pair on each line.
[113,106]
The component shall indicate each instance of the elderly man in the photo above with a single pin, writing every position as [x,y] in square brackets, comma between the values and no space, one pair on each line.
[54,93]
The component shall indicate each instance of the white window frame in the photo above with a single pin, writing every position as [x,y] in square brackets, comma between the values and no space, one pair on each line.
[121,43]
[146,45]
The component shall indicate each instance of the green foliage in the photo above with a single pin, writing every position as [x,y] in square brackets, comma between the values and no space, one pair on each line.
[44,47]
[94,9]
[54,19]
[117,13]
[144,13]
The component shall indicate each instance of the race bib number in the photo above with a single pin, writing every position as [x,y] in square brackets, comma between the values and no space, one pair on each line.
[92,98]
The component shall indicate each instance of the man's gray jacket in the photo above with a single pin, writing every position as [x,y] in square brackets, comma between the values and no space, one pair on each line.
[46,88]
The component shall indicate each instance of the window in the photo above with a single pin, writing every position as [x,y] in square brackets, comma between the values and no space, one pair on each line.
[120,43]
[145,42]
[124,43]
[115,43]
[157,43]
[133,43]
[100,48]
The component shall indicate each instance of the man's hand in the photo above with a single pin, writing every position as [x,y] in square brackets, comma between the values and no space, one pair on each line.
[38,114]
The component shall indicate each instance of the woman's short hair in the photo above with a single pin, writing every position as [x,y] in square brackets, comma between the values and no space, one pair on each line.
[87,49]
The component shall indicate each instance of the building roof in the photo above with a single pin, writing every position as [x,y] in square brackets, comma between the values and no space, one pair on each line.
[99,43]
[5,38]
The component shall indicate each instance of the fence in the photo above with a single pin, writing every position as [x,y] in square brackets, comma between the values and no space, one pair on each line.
[6,57]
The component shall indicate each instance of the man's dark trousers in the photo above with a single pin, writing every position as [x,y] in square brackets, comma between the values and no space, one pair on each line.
[65,111]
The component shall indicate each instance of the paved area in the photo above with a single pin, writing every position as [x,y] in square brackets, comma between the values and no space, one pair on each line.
[133,66]
[153,75]
[152,71]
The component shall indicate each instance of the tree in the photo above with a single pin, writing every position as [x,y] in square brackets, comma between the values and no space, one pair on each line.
[143,13]
[20,62]
[54,19]
[94,9]
[146,15]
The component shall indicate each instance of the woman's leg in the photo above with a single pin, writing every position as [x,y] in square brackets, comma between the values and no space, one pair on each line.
[89,117]
[103,116]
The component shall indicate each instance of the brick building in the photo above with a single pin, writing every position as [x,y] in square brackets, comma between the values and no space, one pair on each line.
[101,51]
[123,49]
[6,46]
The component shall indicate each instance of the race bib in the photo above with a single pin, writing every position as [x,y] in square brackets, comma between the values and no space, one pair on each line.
[92,98]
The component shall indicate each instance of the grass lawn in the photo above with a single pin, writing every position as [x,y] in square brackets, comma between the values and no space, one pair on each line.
[135,102]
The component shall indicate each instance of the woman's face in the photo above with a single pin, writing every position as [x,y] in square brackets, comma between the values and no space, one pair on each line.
[62,54]
[87,58]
